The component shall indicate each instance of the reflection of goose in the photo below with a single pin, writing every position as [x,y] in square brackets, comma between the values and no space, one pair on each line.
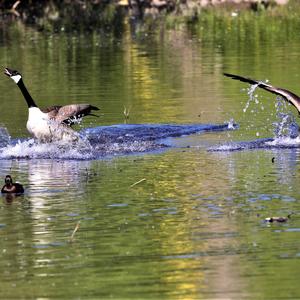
[12,187]
[52,123]
[287,95]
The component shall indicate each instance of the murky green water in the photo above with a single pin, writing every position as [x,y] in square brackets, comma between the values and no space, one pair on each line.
[193,228]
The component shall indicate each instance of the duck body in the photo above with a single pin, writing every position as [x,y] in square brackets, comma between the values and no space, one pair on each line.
[15,188]
[277,219]
[52,123]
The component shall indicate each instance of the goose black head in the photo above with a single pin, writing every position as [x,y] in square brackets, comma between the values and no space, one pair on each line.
[13,74]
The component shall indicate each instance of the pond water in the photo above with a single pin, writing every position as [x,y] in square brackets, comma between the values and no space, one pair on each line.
[175,222]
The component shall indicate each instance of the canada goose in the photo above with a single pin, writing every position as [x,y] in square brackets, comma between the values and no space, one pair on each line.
[287,95]
[52,123]
[11,187]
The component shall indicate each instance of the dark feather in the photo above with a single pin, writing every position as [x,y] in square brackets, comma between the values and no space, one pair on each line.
[68,114]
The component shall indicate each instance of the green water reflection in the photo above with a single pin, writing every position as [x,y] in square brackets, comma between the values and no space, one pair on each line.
[193,229]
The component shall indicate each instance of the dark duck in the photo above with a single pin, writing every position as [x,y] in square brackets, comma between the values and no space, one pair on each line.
[11,187]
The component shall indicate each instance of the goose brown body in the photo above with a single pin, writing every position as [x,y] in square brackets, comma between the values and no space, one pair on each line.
[68,114]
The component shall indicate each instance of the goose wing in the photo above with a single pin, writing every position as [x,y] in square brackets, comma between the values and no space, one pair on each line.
[287,95]
[69,113]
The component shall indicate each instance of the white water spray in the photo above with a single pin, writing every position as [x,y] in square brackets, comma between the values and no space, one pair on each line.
[286,125]
[252,96]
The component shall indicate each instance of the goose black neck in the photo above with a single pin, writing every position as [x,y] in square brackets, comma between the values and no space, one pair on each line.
[29,100]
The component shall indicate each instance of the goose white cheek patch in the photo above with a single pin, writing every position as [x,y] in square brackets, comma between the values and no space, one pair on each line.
[16,78]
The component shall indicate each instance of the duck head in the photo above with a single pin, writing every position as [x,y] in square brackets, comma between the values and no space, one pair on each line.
[8,180]
[13,74]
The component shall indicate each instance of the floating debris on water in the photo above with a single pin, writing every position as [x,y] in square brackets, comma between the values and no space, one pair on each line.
[138,182]
[74,231]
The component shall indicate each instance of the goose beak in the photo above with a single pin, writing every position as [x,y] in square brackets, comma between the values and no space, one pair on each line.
[8,72]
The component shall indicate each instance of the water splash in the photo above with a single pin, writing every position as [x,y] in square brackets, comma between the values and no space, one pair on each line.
[263,143]
[286,130]
[5,138]
[30,149]
[284,142]
[231,124]
[252,96]
[103,141]
[285,125]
